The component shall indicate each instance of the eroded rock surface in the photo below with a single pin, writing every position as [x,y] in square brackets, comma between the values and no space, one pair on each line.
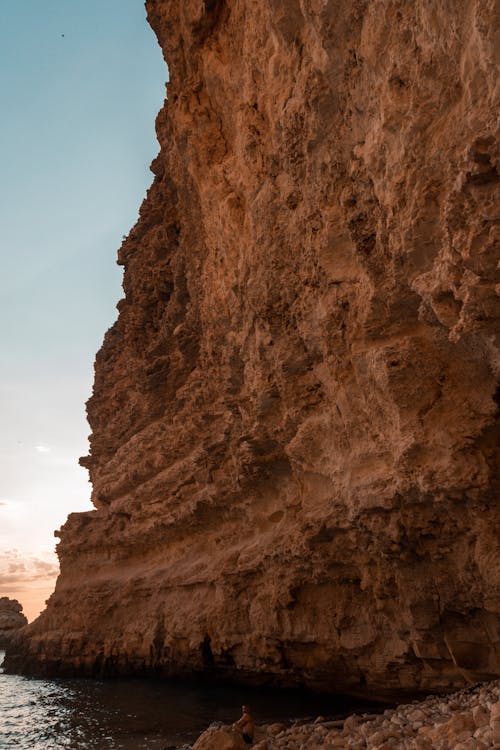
[11,619]
[220,739]
[294,447]
[468,720]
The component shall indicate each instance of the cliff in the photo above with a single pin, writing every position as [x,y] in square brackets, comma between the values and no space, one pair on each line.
[11,619]
[294,451]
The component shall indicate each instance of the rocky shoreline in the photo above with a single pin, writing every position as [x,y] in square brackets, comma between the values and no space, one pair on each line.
[464,720]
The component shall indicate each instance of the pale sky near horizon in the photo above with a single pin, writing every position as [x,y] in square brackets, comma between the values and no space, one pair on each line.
[80,88]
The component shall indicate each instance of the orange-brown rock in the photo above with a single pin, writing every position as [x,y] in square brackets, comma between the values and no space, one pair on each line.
[467,720]
[220,739]
[294,447]
[11,619]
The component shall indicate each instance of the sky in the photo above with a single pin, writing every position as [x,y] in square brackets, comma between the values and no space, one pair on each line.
[81,85]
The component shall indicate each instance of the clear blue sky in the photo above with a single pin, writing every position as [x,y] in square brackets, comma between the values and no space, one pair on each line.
[76,139]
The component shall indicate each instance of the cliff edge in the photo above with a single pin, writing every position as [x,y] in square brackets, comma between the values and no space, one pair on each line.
[11,619]
[294,451]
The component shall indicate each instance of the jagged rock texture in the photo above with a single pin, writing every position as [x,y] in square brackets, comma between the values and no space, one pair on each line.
[11,619]
[294,447]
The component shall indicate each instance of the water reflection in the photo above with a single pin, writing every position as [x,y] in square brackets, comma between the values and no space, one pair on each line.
[133,714]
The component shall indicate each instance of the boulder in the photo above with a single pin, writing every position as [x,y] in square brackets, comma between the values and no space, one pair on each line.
[220,739]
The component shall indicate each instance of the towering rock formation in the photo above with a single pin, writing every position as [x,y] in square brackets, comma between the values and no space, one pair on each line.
[11,619]
[294,447]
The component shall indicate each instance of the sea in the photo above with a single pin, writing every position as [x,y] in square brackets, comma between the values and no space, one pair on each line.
[139,714]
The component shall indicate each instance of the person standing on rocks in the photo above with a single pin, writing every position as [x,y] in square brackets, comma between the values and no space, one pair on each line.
[245,725]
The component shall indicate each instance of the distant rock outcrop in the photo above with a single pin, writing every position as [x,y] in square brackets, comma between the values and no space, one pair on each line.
[295,435]
[11,619]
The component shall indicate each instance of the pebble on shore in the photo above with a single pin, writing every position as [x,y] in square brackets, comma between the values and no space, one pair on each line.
[465,720]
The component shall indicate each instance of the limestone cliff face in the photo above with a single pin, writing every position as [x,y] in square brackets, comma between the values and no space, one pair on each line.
[294,447]
[11,619]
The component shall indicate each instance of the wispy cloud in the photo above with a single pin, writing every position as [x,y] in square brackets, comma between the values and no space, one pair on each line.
[22,573]
[17,567]
[42,449]
[7,504]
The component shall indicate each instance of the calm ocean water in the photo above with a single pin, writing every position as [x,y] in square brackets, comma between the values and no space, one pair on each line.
[40,714]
